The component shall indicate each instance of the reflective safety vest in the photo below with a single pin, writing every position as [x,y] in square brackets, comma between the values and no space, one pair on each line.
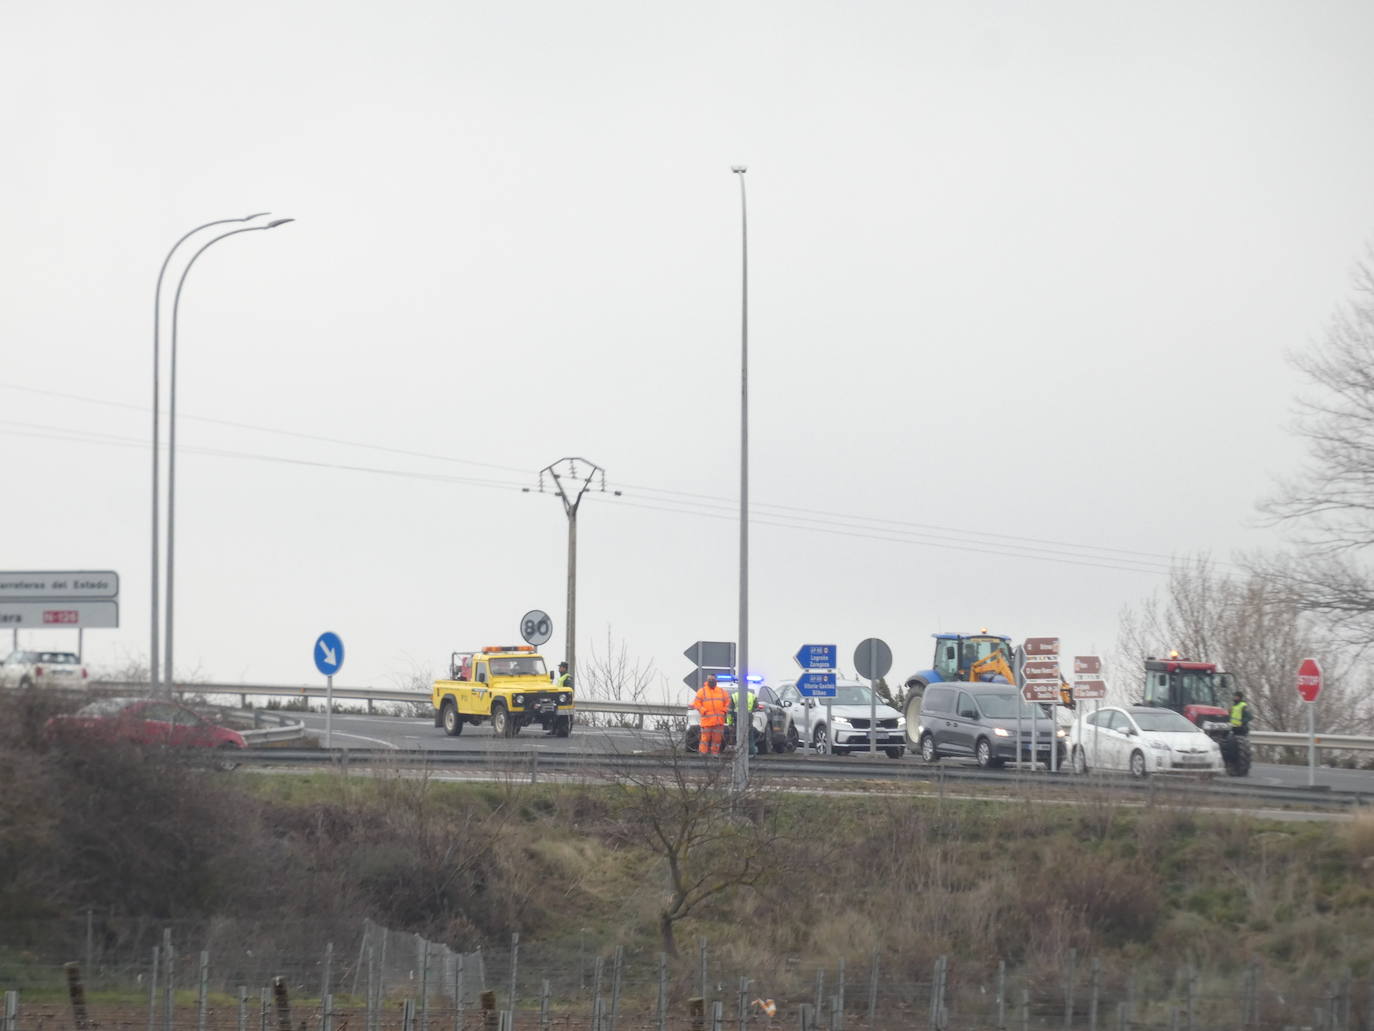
[751,698]
[562,681]
[712,703]
[1238,714]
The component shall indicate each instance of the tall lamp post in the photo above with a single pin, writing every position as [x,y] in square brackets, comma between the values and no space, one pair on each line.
[743,722]
[154,653]
[172,434]
[571,484]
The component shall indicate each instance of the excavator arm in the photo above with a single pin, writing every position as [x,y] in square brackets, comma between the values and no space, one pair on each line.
[996,664]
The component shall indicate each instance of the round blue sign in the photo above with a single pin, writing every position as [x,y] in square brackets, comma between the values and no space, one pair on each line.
[328,653]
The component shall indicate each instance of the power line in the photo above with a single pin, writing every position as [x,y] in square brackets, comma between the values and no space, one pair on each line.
[712,506]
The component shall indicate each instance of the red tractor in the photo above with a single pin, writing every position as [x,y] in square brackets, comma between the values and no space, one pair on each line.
[1200,693]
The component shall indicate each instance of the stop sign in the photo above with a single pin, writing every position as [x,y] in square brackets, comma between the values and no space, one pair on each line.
[1309,680]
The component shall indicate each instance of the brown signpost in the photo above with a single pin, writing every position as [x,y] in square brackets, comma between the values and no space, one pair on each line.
[1087,664]
[1041,669]
[1042,646]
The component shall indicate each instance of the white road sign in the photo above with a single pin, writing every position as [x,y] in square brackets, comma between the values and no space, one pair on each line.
[58,615]
[41,585]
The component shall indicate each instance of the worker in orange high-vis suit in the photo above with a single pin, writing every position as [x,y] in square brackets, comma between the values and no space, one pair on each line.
[712,702]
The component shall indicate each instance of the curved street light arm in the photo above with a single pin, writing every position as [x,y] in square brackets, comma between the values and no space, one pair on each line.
[172,430]
[157,388]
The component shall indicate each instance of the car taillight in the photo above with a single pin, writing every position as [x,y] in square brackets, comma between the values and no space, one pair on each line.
[38,671]
[84,674]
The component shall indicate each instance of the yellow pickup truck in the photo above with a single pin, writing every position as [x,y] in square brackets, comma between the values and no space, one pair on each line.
[506,684]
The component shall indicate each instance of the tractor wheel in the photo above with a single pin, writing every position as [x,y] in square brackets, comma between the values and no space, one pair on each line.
[1138,768]
[453,723]
[501,721]
[1080,761]
[1239,763]
[913,712]
[928,752]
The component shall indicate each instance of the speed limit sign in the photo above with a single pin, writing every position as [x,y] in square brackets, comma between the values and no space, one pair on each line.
[536,627]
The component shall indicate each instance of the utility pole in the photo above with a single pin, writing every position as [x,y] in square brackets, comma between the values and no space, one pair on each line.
[743,717]
[571,479]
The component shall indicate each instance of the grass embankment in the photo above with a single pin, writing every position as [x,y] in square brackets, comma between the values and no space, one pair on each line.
[573,868]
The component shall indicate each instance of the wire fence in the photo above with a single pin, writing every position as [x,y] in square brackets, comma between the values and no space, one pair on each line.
[248,976]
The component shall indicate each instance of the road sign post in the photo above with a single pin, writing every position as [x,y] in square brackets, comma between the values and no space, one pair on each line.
[1087,685]
[872,660]
[1038,675]
[1310,687]
[329,656]
[812,658]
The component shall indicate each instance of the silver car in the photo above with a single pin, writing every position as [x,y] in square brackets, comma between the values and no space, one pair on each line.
[850,711]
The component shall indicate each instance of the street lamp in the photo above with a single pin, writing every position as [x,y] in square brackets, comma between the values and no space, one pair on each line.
[172,432]
[743,724]
[153,652]
[572,500]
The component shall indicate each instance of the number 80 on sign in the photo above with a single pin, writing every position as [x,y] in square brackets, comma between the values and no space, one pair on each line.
[536,627]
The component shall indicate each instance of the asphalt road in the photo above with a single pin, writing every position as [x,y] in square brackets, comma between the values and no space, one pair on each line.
[402,732]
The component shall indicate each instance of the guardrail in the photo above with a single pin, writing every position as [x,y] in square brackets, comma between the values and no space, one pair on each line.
[285,730]
[1335,742]
[1341,742]
[374,694]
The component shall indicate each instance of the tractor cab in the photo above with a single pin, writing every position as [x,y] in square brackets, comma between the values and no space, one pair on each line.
[1197,690]
[980,656]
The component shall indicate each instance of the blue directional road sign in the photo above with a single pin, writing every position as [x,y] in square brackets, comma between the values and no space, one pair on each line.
[817,685]
[328,653]
[817,656]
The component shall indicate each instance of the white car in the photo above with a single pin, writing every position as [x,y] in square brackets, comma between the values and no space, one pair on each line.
[1141,740]
[42,669]
[850,710]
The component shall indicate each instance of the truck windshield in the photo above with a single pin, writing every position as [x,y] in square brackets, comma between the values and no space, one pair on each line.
[518,666]
[1199,688]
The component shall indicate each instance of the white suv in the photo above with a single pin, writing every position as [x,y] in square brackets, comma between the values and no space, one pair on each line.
[850,710]
[42,669]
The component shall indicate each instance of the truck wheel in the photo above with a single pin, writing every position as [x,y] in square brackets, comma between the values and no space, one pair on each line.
[453,723]
[562,726]
[501,721]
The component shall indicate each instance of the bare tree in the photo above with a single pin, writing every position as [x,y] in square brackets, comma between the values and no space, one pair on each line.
[711,838]
[615,675]
[1327,508]
[1251,628]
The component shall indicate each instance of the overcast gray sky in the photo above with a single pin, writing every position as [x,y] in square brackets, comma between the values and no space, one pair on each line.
[1023,272]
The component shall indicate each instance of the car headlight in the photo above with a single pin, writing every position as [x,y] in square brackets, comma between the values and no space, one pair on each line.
[901,722]
[1159,746]
[841,721]
[1062,733]
[519,699]
[564,698]
[1001,731]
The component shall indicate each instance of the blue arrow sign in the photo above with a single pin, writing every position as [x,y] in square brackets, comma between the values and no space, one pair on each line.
[817,685]
[817,656]
[328,653]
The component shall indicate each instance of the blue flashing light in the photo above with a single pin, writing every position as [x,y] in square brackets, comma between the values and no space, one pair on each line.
[729,678]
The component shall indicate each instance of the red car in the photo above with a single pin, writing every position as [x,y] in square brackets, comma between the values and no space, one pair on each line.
[149,721]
